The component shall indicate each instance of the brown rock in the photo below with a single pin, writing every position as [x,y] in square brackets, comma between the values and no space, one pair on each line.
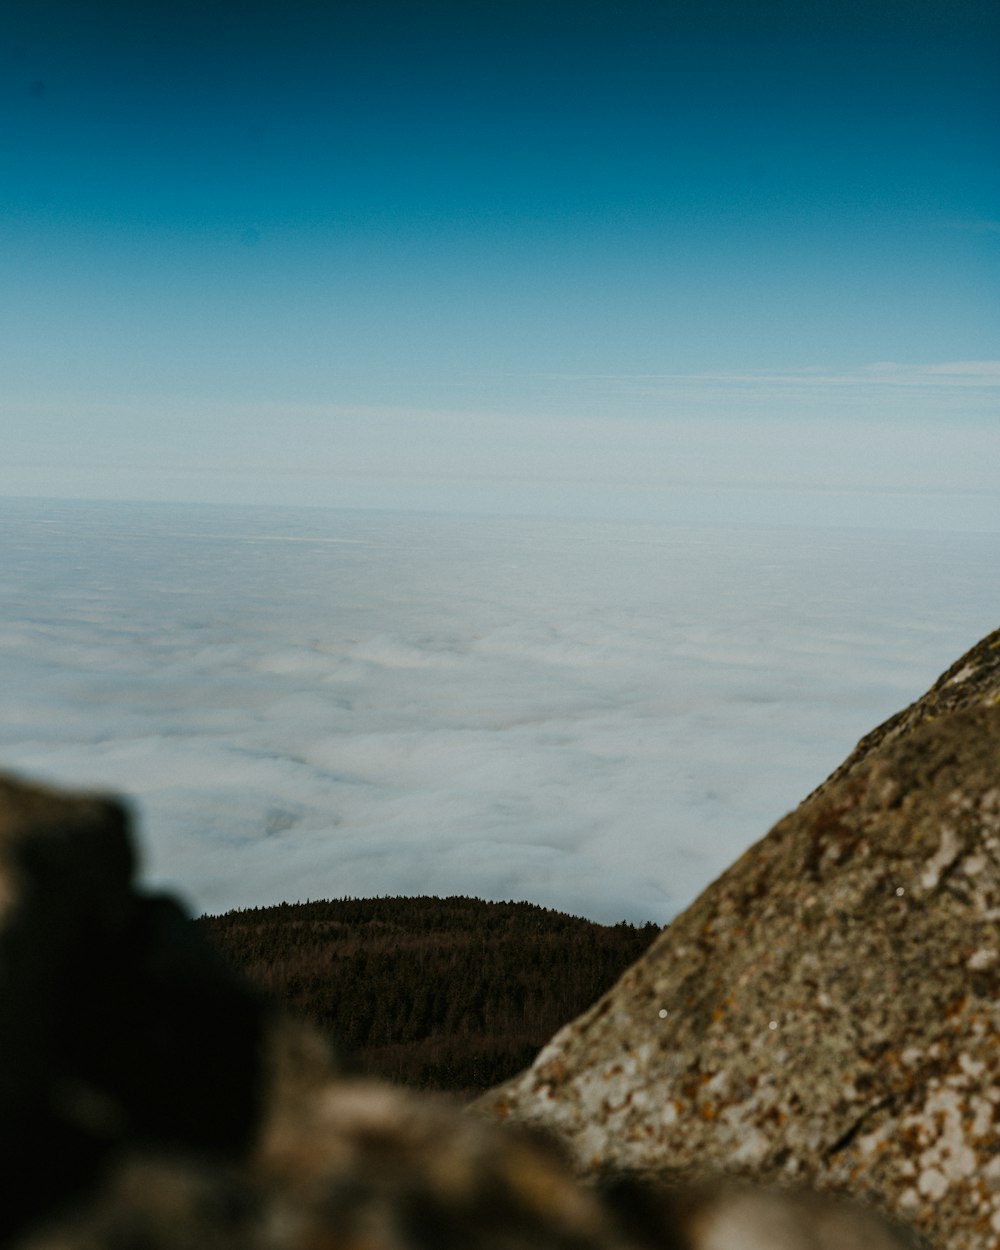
[827,1011]
[367,1167]
[118,1028]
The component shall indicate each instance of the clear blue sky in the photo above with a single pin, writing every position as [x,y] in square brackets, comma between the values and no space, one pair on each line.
[328,252]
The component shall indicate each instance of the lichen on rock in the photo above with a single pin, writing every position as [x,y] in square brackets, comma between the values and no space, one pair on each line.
[827,1011]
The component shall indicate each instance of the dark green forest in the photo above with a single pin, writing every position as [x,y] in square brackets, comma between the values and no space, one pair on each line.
[438,993]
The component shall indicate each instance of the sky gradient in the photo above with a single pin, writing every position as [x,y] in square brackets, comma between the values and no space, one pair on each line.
[502,256]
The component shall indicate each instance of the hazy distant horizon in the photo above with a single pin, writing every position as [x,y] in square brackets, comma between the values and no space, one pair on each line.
[970,509]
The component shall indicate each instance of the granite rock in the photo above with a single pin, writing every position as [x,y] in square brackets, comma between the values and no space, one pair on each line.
[827,1011]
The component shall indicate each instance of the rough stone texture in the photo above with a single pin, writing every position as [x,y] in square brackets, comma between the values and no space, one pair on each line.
[827,1011]
[972,681]
[148,1101]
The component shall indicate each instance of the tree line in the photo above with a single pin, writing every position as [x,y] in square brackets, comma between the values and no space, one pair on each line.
[454,994]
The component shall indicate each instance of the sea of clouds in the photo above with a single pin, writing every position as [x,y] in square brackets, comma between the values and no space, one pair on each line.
[594,716]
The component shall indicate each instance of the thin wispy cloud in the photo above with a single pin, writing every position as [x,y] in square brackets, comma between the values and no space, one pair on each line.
[948,373]
[959,373]
[604,445]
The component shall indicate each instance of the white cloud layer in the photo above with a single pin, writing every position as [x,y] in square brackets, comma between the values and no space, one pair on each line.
[597,717]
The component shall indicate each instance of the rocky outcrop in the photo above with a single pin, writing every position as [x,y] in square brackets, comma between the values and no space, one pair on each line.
[827,1011]
[149,1099]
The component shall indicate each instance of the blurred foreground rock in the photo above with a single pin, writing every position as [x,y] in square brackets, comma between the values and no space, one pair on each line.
[114,1026]
[149,1101]
[828,1011]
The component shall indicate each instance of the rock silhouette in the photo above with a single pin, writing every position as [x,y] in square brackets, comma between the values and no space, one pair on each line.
[826,1012]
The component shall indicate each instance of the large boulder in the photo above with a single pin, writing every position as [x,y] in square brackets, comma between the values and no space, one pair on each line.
[827,1011]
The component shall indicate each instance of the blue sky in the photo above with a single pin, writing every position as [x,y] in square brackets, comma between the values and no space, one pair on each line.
[447,253]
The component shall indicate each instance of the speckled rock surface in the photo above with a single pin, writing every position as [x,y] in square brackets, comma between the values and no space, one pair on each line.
[827,1012]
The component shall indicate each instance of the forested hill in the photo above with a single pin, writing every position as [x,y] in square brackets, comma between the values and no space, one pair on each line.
[439,993]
